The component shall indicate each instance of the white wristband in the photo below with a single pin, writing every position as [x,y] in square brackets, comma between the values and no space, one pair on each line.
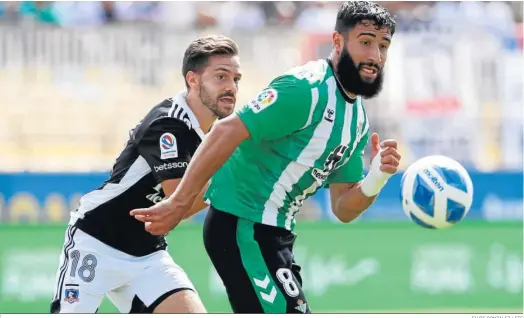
[375,179]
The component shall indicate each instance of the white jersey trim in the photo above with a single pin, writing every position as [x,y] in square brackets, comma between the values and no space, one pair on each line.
[296,169]
[178,112]
[95,198]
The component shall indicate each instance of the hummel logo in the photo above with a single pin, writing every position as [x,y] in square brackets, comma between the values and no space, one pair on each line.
[269,297]
[328,115]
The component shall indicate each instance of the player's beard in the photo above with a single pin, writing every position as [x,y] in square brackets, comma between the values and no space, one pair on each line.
[211,103]
[349,76]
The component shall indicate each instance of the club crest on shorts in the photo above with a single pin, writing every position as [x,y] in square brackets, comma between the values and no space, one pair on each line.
[302,306]
[71,295]
[168,146]
[264,99]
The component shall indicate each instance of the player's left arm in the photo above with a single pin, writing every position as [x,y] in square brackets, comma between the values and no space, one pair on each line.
[352,193]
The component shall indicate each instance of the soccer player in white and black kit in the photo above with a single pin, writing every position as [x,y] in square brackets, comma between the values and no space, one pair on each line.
[107,252]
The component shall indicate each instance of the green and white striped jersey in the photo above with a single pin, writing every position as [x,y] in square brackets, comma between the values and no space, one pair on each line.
[305,133]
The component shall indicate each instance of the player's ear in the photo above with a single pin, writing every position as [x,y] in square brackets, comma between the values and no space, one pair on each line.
[338,42]
[192,79]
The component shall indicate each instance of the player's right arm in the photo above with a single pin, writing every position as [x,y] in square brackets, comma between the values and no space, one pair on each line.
[168,167]
[276,112]
[169,186]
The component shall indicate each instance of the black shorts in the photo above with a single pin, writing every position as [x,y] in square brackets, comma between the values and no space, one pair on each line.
[256,264]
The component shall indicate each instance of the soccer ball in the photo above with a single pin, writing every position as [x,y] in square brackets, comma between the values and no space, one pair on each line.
[436,192]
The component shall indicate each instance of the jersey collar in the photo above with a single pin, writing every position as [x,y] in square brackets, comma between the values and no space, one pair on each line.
[180,99]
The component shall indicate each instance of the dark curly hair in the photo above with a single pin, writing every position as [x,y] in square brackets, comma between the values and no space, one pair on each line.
[353,12]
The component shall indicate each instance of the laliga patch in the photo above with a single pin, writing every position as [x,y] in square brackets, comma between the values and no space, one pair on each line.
[266,98]
[168,146]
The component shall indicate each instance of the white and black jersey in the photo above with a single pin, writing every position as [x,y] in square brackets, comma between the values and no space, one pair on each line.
[159,148]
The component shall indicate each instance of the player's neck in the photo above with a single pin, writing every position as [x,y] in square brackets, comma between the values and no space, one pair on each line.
[205,117]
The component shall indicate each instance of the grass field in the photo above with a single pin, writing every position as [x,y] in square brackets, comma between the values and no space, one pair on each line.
[108,308]
[28,268]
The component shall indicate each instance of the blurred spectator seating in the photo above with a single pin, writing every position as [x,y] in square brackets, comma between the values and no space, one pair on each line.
[70,94]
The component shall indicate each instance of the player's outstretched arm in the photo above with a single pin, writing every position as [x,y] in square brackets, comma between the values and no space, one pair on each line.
[350,200]
[198,205]
[214,151]
[169,187]
[216,148]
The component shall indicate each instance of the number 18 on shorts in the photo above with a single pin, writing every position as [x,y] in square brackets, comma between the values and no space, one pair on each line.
[90,270]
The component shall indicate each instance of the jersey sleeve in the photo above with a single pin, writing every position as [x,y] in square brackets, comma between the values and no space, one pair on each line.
[279,110]
[353,170]
[165,146]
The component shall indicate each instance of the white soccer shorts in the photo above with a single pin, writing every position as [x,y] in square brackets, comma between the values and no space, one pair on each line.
[90,270]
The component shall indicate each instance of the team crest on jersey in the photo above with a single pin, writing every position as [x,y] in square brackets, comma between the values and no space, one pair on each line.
[330,164]
[264,99]
[71,295]
[168,146]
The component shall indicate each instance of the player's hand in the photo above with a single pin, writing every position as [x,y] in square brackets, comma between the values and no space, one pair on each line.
[161,217]
[387,150]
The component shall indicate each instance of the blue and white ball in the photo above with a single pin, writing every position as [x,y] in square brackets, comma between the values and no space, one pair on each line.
[436,192]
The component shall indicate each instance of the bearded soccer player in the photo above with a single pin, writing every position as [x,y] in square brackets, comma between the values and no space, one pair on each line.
[308,129]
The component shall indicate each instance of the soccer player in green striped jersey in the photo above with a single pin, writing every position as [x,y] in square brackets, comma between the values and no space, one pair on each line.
[308,129]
